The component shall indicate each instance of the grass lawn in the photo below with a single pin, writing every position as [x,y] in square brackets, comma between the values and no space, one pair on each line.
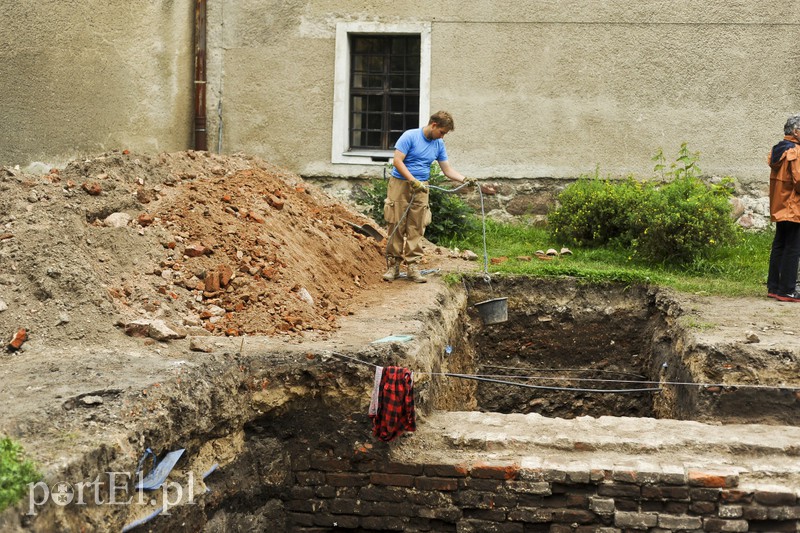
[738,270]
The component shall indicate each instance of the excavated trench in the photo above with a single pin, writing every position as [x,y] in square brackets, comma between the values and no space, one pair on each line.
[308,462]
[602,340]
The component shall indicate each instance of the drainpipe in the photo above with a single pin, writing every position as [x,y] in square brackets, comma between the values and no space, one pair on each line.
[200,137]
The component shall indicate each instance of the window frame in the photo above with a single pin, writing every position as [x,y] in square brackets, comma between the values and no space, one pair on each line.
[340,145]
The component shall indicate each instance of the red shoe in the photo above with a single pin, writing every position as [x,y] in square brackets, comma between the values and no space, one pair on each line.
[772,295]
[791,297]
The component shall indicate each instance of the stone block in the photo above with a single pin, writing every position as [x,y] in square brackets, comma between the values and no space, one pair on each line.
[676,523]
[530,515]
[729,511]
[601,506]
[714,525]
[450,514]
[530,487]
[484,526]
[635,520]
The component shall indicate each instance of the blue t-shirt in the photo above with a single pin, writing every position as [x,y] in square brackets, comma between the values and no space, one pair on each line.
[420,153]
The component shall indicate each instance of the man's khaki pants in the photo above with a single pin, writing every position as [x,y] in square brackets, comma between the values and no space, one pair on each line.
[406,225]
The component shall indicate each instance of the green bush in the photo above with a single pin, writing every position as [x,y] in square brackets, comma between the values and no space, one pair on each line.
[451,217]
[15,473]
[675,222]
[595,212]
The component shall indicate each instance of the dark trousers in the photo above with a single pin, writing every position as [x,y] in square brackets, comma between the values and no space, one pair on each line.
[784,258]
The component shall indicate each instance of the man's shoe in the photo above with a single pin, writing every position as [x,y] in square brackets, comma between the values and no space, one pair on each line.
[392,273]
[415,275]
[791,297]
[772,295]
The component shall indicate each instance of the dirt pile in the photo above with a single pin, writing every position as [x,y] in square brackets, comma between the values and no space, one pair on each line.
[174,244]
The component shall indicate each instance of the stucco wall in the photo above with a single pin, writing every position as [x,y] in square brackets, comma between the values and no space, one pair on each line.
[537,88]
[89,76]
[541,88]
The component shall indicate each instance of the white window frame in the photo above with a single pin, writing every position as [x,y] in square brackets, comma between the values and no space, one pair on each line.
[340,153]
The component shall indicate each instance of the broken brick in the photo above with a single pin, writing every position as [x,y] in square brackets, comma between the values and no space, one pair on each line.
[145,219]
[92,188]
[225,275]
[255,217]
[18,339]
[275,202]
[196,250]
[212,282]
[293,320]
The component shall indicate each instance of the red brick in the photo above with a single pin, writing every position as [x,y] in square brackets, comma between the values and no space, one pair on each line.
[212,282]
[774,498]
[18,339]
[330,464]
[346,479]
[491,471]
[195,250]
[446,470]
[92,188]
[698,478]
[396,480]
[736,496]
[400,468]
[225,275]
[436,483]
[275,202]
[255,217]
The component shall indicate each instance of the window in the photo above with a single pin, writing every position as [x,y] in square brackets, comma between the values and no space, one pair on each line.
[381,88]
[384,89]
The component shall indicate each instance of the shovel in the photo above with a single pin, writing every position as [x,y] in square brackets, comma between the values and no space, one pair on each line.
[367,230]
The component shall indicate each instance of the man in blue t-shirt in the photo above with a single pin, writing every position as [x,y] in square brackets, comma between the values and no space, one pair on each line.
[406,208]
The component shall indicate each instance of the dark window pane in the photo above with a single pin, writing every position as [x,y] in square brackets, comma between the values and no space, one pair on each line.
[384,88]
[398,64]
[397,82]
[375,121]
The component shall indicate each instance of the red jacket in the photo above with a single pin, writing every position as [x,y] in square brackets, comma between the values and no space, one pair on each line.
[784,181]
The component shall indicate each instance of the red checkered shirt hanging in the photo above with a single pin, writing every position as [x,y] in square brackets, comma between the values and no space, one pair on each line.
[395,414]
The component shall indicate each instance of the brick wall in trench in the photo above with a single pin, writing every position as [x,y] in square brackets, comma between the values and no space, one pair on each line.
[533,496]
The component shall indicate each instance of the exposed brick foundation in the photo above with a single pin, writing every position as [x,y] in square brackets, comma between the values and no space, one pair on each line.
[534,496]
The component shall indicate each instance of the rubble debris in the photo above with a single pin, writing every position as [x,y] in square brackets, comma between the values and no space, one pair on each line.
[18,340]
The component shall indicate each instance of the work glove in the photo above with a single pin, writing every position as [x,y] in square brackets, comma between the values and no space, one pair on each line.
[470,181]
[417,185]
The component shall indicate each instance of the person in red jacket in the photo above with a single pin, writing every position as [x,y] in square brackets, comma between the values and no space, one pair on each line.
[784,207]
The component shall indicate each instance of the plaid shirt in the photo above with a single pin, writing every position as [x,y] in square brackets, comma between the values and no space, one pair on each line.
[395,413]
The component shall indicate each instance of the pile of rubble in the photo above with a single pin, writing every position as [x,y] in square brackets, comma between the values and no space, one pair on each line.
[174,244]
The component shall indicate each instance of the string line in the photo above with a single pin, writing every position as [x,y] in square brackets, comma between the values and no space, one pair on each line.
[492,378]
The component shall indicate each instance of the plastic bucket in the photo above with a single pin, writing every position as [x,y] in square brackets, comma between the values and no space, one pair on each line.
[493,311]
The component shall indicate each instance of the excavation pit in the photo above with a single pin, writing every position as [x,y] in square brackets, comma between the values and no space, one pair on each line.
[285,426]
